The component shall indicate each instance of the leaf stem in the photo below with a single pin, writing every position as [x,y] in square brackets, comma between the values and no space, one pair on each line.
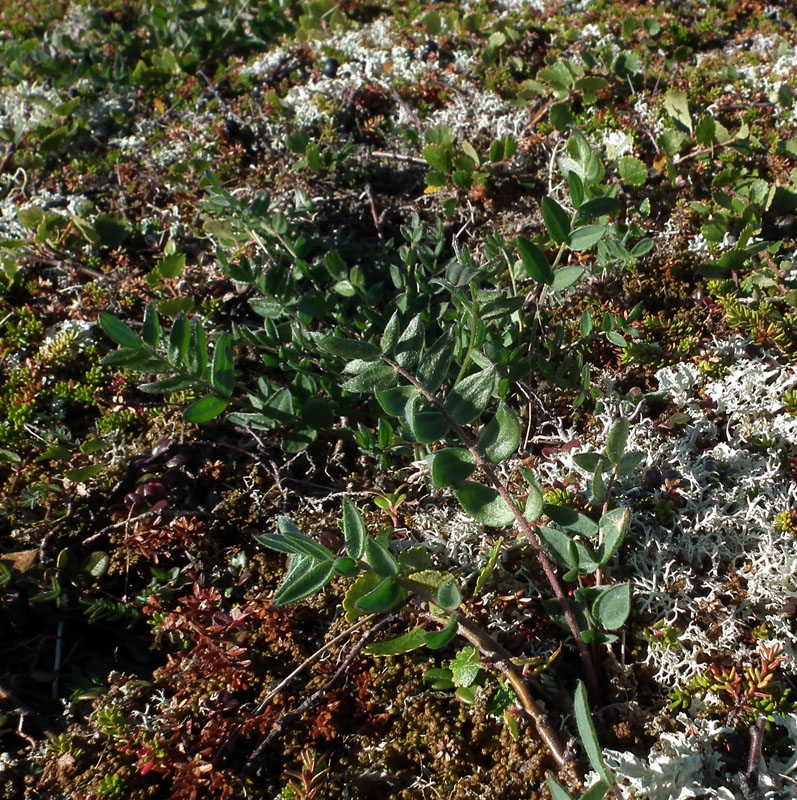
[523,524]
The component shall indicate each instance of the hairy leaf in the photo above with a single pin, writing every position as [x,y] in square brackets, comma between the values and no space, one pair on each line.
[501,436]
[484,504]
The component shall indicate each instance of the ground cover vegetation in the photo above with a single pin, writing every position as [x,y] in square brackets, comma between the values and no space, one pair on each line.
[398,400]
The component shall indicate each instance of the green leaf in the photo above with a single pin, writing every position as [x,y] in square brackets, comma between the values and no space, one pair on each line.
[501,436]
[676,105]
[560,115]
[484,504]
[345,348]
[556,220]
[534,261]
[304,583]
[589,739]
[409,344]
[433,369]
[151,330]
[387,594]
[589,462]
[599,207]
[117,330]
[534,501]
[291,540]
[613,607]
[557,543]
[380,559]
[586,236]
[111,229]
[437,639]
[439,679]
[613,526]
[451,466]
[400,644]
[347,567]
[178,340]
[223,371]
[391,334]
[361,587]
[177,383]
[571,520]
[171,266]
[558,792]
[394,400]
[82,474]
[449,596]
[595,792]
[576,188]
[425,426]
[96,564]
[470,396]
[616,440]
[353,530]
[565,277]
[629,462]
[465,667]
[373,377]
[196,357]
[206,409]
[438,157]
[632,171]
[9,456]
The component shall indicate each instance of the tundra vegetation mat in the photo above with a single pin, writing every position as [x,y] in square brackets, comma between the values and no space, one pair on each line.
[398,400]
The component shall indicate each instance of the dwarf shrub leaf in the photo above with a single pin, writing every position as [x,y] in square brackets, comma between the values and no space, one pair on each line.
[434,365]
[484,504]
[400,644]
[589,739]
[612,608]
[386,595]
[451,466]
[556,220]
[613,526]
[353,530]
[223,371]
[117,330]
[304,583]
[426,426]
[534,261]
[470,396]
[206,409]
[449,596]
[501,436]
[346,348]
[616,440]
[380,559]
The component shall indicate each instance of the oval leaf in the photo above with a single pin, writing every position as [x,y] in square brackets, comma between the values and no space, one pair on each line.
[586,236]
[449,596]
[613,525]
[556,220]
[353,530]
[616,440]
[612,608]
[120,333]
[434,365]
[346,348]
[470,396]
[206,409]
[399,645]
[484,504]
[385,596]
[223,372]
[565,277]
[380,559]
[534,261]
[501,436]
[451,466]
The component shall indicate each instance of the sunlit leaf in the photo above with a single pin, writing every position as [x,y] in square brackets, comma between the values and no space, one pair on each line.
[353,530]
[501,436]
[484,504]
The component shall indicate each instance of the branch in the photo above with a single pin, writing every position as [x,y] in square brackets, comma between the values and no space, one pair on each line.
[523,524]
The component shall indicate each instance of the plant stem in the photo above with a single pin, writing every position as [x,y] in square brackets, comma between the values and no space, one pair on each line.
[502,660]
[524,525]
